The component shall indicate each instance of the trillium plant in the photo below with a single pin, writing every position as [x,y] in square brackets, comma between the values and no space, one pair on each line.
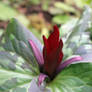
[63,63]
[50,59]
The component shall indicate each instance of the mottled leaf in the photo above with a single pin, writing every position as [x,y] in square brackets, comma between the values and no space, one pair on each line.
[82,25]
[78,36]
[15,73]
[16,40]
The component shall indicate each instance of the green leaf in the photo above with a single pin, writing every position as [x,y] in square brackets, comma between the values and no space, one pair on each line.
[1,36]
[64,7]
[18,65]
[1,31]
[15,73]
[6,12]
[34,2]
[45,5]
[87,2]
[82,25]
[79,3]
[16,40]
[78,35]
[75,78]
[67,27]
[59,19]
[21,33]
[23,18]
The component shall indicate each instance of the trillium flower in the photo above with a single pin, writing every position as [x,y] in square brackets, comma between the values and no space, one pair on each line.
[51,59]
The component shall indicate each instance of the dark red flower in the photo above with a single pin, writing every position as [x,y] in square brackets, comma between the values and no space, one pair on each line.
[52,52]
[50,60]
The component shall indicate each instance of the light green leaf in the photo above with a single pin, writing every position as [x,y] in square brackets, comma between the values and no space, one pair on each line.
[59,19]
[23,19]
[1,31]
[67,27]
[6,12]
[64,7]
[34,1]
[75,78]
[1,36]
[87,2]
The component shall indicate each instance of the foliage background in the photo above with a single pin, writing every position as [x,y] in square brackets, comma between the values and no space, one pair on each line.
[40,15]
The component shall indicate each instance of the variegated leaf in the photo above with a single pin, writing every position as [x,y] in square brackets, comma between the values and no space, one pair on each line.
[15,73]
[78,36]
[16,40]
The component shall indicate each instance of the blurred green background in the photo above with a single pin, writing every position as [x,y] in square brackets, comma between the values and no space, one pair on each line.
[40,15]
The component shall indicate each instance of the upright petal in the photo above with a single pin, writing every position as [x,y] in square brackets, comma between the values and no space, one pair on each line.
[52,52]
[46,45]
[52,61]
[53,39]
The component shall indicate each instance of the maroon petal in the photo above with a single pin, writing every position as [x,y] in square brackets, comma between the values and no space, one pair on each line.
[61,43]
[53,39]
[37,53]
[41,78]
[53,60]
[52,52]
[50,63]
[60,57]
[68,62]
[60,51]
[46,45]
